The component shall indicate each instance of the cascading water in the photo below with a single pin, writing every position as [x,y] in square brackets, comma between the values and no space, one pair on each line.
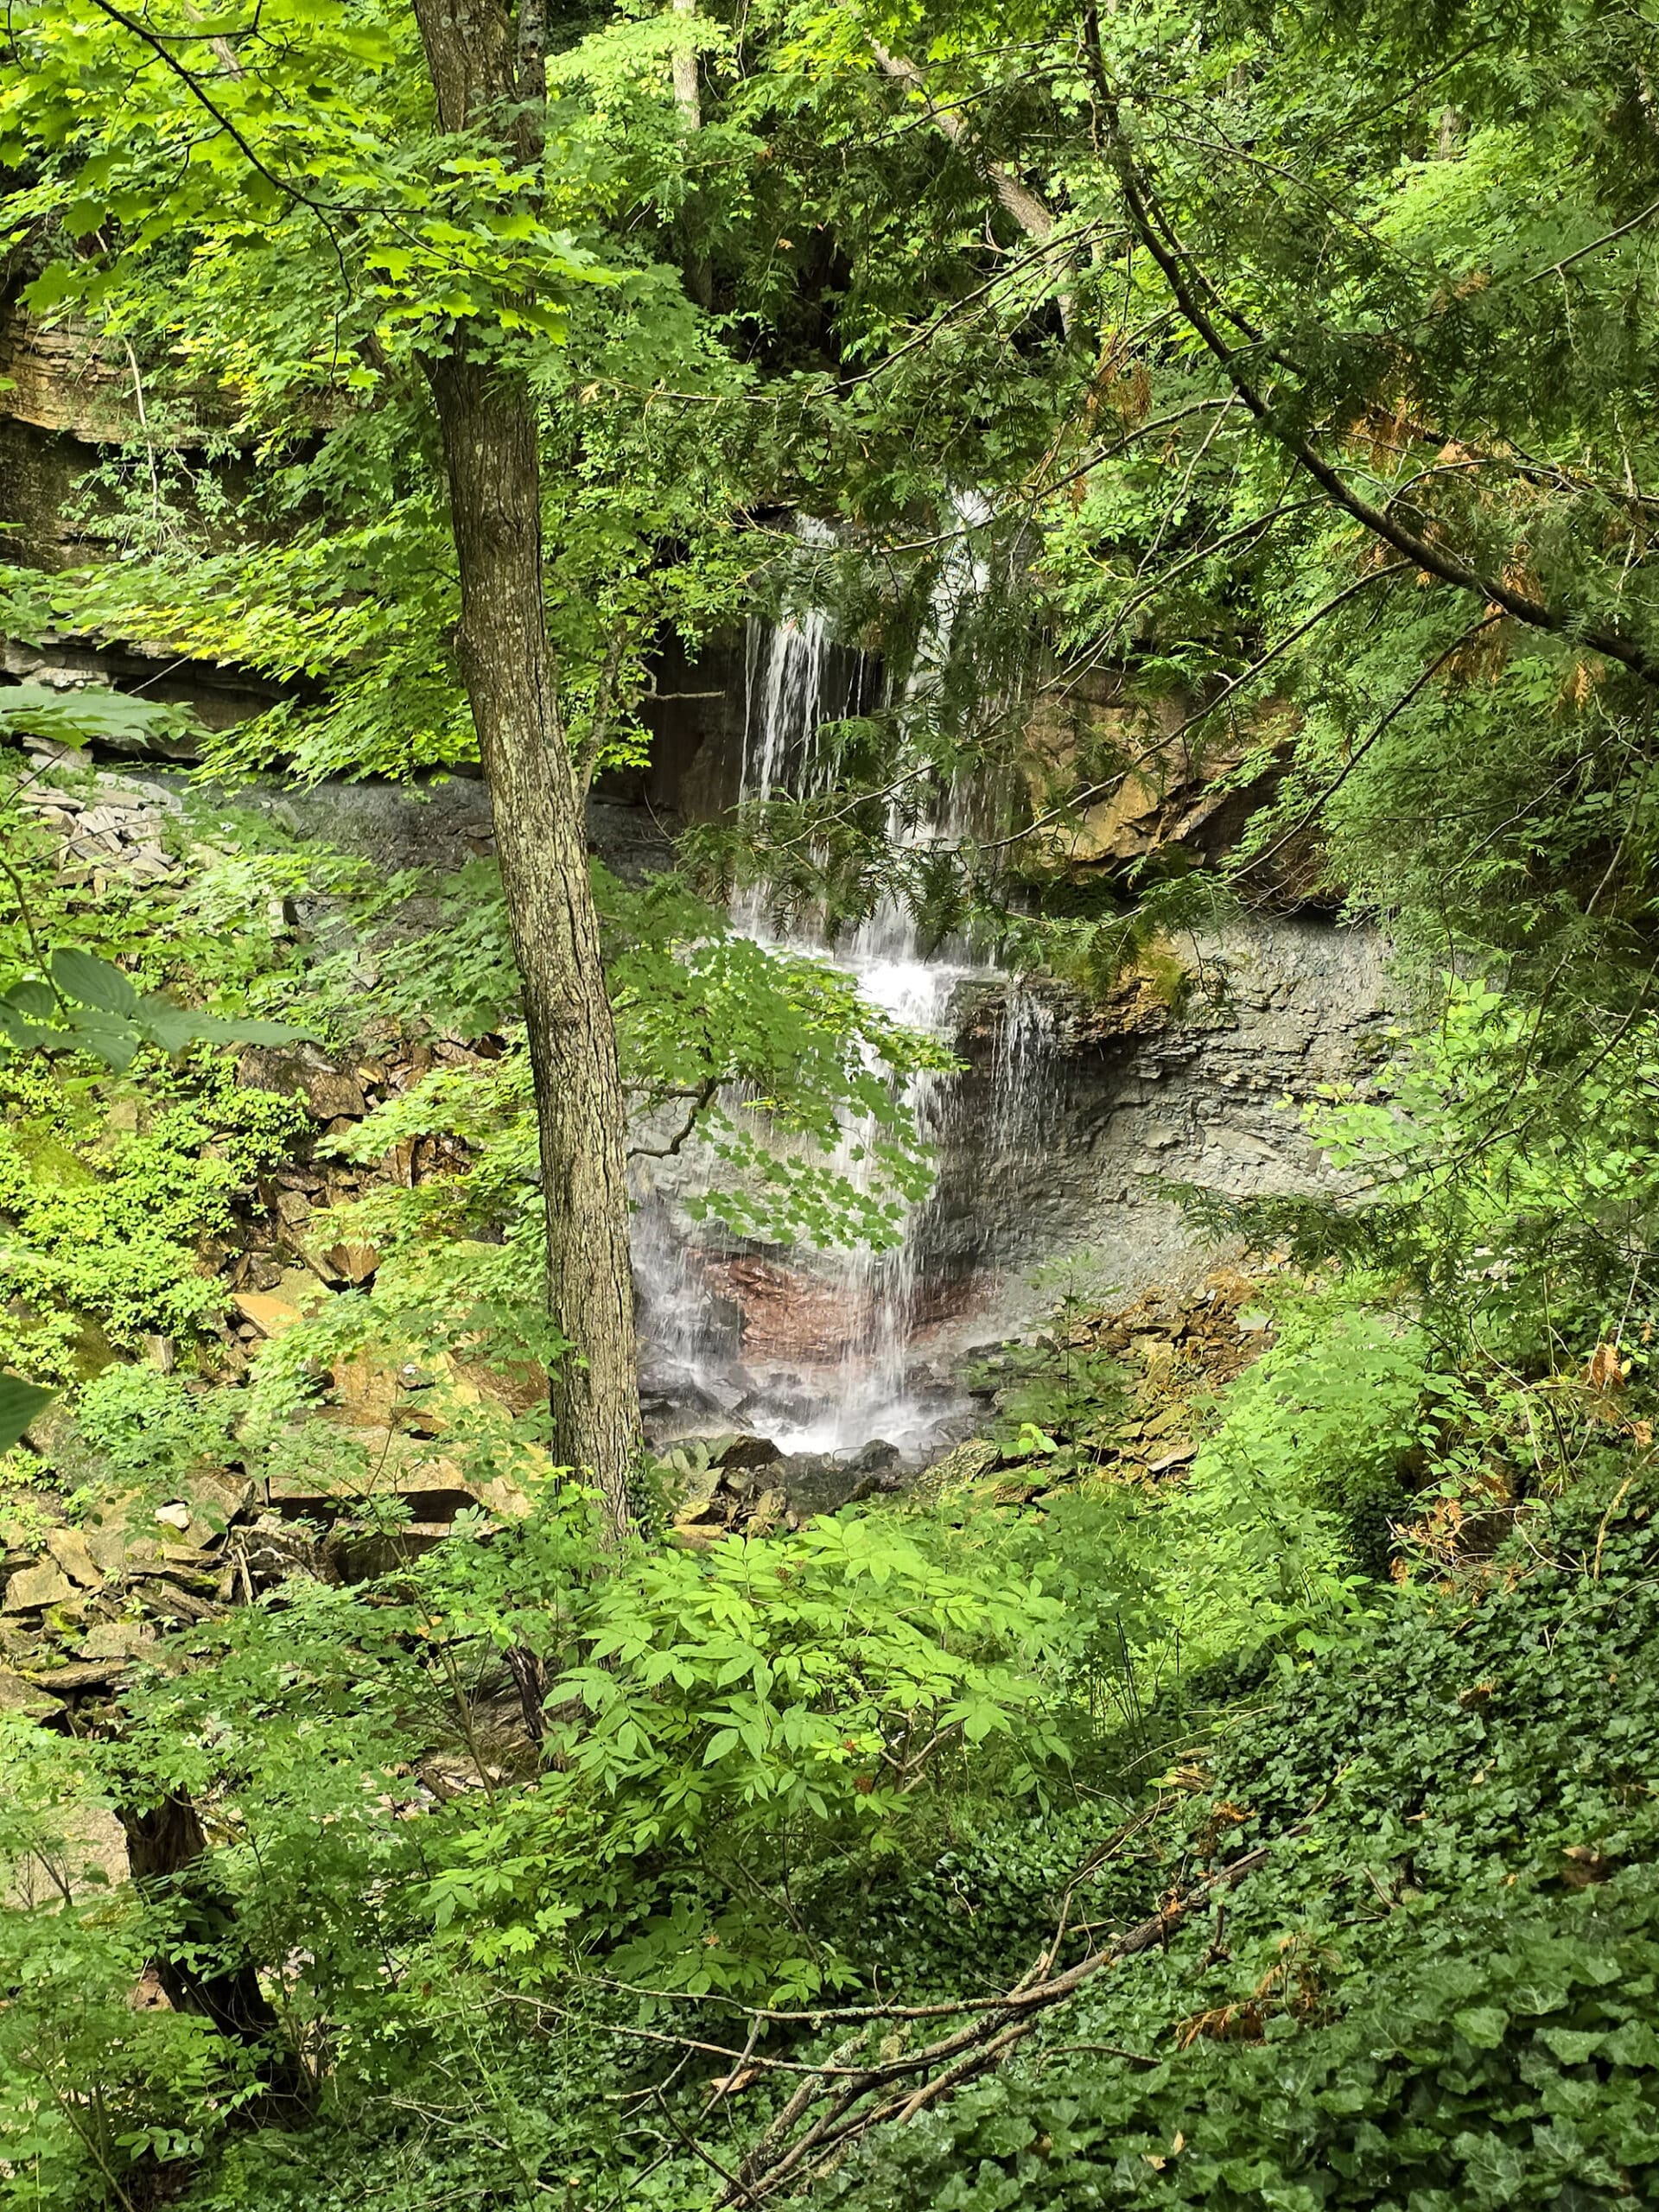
[838,1354]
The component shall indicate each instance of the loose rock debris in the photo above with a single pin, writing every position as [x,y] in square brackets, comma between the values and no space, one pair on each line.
[109,826]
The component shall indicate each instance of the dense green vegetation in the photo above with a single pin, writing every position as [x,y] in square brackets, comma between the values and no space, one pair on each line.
[1277,1829]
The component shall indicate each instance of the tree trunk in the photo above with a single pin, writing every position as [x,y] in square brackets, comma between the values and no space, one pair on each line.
[687,99]
[167,1856]
[1034,218]
[491,450]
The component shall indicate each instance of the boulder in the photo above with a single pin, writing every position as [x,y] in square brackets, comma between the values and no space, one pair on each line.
[364,1555]
[877,1469]
[767,1513]
[697,1499]
[36,1587]
[19,1695]
[270,1551]
[822,1482]
[108,1547]
[330,1093]
[84,1674]
[1175,1457]
[115,1640]
[169,1603]
[964,1463]
[351,1262]
[68,1547]
[270,1316]
[745,1450]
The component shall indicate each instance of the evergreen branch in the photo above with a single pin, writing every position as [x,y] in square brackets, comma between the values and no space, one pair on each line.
[1091,792]
[1412,692]
[1608,237]
[1034,218]
[1031,212]
[1435,560]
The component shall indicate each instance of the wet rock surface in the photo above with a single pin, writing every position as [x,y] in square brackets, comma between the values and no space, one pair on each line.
[1055,1153]
[1167,1352]
[743,1485]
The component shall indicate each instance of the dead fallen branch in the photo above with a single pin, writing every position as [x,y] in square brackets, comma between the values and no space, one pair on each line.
[837,2102]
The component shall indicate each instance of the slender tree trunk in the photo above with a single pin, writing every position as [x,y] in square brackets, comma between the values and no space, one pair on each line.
[491,453]
[687,99]
[1033,216]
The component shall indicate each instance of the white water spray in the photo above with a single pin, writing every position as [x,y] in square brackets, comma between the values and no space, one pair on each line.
[865,1373]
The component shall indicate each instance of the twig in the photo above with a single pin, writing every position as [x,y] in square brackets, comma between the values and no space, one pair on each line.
[25,917]
[707,2157]
[702,1099]
[1417,685]
[1091,792]
[1607,237]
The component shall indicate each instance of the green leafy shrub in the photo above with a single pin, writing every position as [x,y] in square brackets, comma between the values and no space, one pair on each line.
[142,1427]
[740,1715]
[87,1006]
[1293,1496]
[98,2095]
[105,1221]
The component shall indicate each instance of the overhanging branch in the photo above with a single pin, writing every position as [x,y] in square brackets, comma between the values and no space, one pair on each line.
[1433,560]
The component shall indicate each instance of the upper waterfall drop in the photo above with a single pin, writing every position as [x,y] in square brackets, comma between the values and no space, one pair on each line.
[835,1350]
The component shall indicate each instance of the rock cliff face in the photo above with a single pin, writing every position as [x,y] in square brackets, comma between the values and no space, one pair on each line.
[1151,770]
[1051,1149]
[1062,1156]
[1050,1145]
[1052,1142]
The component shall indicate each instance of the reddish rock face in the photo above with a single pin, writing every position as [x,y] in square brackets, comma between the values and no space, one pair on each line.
[793,1315]
[787,1313]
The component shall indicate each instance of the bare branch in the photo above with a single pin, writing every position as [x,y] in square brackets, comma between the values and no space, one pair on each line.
[702,1099]
[921,2077]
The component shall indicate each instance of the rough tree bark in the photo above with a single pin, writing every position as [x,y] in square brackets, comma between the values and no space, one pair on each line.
[492,453]
[687,97]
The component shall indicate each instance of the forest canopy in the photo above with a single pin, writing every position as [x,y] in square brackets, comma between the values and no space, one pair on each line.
[1218,439]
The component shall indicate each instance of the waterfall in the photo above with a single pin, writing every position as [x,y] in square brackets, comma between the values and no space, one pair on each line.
[835,1353]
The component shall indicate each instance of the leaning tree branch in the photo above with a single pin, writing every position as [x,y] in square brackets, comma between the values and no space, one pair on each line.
[1174,261]
[701,1098]
[1034,218]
